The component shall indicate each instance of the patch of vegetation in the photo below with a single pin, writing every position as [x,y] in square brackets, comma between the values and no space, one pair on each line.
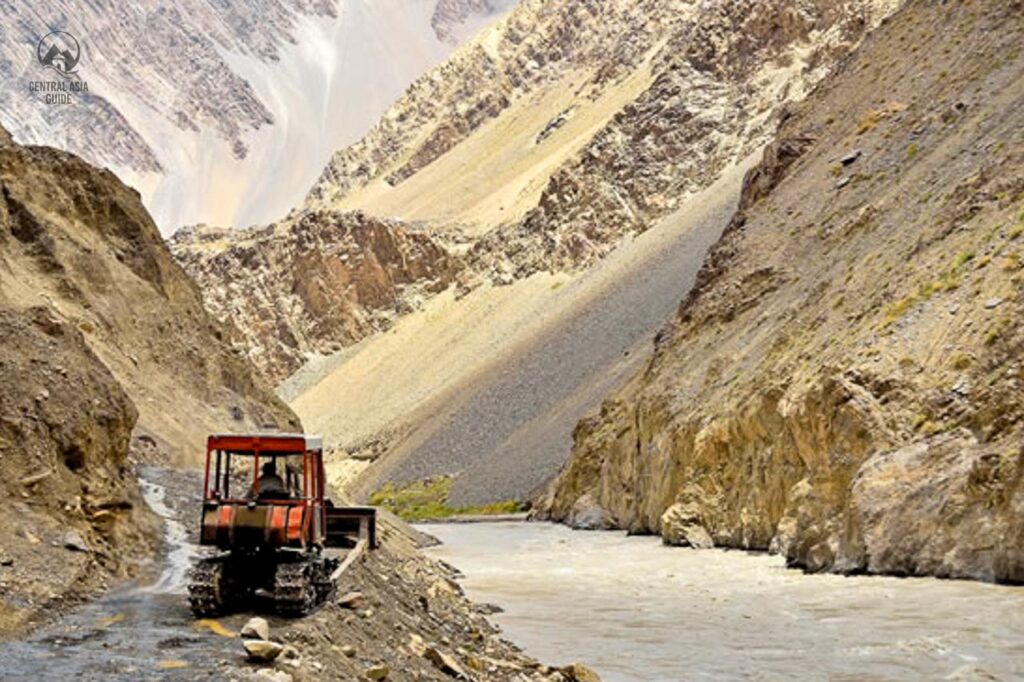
[869,122]
[962,259]
[427,500]
[912,150]
[927,427]
[948,280]
[961,361]
[995,332]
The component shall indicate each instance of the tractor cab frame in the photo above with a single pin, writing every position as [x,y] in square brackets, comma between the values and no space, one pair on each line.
[260,518]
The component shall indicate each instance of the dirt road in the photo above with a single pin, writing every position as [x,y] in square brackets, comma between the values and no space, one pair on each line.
[136,632]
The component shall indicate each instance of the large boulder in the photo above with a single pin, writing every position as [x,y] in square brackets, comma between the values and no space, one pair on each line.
[587,514]
[577,672]
[256,628]
[681,525]
[262,650]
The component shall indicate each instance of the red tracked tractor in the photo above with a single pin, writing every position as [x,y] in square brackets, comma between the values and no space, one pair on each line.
[264,510]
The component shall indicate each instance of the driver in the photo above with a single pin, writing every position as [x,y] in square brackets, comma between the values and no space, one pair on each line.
[270,484]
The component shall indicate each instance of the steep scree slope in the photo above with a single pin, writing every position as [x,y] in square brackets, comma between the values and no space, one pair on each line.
[843,385]
[76,240]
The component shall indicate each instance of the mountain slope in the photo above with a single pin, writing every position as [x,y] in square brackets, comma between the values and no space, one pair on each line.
[567,126]
[223,112]
[538,149]
[842,385]
[311,284]
[74,239]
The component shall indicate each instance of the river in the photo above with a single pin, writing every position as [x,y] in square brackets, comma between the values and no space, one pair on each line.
[633,609]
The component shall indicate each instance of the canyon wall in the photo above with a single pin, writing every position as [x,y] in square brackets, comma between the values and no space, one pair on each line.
[842,386]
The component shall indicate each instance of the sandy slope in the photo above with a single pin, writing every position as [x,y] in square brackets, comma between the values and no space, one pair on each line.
[499,173]
[491,385]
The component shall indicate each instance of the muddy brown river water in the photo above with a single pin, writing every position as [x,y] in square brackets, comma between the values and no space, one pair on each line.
[634,609]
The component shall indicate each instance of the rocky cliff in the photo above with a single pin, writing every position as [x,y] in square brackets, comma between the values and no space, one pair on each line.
[842,386]
[313,283]
[76,241]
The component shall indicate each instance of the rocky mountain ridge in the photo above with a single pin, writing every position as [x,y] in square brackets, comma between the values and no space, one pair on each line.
[701,87]
[842,385]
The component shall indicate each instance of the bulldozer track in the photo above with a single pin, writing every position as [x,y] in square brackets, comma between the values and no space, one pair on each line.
[294,593]
[208,587]
[216,584]
[301,586]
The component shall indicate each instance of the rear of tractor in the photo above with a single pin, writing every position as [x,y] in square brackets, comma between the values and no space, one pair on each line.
[265,512]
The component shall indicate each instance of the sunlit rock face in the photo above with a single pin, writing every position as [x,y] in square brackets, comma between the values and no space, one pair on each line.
[222,112]
[313,283]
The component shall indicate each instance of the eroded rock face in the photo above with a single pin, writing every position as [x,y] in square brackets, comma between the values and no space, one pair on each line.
[314,283]
[837,387]
[177,43]
[74,239]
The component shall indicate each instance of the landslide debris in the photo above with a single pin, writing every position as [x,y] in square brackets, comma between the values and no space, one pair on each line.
[842,386]
[75,240]
[72,520]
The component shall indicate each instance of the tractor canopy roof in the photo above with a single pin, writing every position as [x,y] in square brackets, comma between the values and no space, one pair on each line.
[265,443]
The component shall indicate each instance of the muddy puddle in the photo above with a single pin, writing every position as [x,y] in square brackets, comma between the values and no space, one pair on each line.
[636,610]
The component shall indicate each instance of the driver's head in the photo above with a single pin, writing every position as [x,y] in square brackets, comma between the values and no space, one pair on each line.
[268,468]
